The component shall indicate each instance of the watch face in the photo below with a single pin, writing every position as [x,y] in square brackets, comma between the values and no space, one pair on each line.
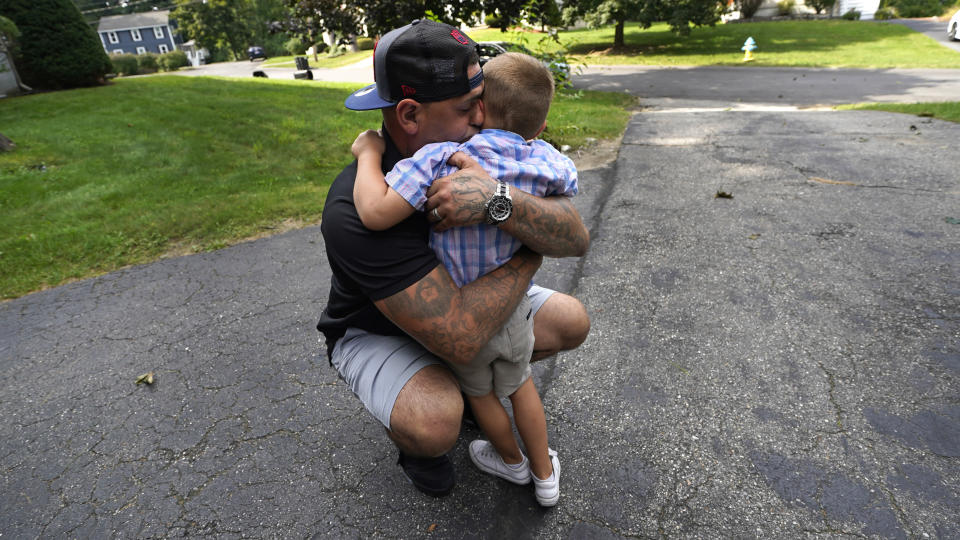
[499,209]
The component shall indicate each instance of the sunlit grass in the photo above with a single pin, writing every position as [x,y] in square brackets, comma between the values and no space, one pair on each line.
[949,110]
[822,43]
[323,60]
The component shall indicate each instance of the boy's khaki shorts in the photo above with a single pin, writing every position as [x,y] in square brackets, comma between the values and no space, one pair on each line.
[504,362]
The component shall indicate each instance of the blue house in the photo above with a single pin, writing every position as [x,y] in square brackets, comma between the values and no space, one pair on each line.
[138,33]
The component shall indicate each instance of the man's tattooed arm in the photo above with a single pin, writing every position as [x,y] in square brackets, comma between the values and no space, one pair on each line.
[550,226]
[455,324]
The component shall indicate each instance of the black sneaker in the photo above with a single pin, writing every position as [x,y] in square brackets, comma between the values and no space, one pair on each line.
[433,476]
[469,419]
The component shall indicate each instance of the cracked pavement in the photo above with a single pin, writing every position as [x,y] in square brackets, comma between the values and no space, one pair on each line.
[779,364]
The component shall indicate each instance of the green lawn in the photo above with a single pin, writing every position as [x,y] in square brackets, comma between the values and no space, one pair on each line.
[825,43]
[949,110]
[322,61]
[122,174]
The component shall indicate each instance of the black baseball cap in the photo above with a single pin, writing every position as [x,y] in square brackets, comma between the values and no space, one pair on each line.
[424,60]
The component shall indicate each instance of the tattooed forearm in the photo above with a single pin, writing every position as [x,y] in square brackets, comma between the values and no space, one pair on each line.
[550,226]
[456,323]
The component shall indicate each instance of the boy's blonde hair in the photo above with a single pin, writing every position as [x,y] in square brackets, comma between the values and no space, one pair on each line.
[517,93]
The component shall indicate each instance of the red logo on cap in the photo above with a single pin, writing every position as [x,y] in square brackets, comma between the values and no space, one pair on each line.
[459,37]
[407,90]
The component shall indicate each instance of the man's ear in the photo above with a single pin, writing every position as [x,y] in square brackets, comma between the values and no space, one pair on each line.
[543,127]
[408,115]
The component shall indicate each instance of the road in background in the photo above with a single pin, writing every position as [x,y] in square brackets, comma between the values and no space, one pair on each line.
[932,27]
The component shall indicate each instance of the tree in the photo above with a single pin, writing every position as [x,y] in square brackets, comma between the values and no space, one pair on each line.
[680,14]
[57,48]
[543,13]
[216,24]
[309,19]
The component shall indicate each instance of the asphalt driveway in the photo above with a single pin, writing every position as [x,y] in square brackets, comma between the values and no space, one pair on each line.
[775,353]
[932,27]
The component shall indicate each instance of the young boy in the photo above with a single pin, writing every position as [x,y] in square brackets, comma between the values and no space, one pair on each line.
[517,95]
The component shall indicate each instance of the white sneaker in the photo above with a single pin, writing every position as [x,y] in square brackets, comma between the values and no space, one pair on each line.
[486,458]
[548,491]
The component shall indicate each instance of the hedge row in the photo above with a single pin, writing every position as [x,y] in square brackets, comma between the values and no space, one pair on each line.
[133,64]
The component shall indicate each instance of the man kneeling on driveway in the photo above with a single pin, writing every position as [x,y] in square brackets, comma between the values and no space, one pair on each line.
[394,313]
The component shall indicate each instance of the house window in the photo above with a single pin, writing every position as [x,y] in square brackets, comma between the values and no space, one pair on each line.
[112,36]
[158,32]
[118,51]
[141,50]
[164,48]
[136,35]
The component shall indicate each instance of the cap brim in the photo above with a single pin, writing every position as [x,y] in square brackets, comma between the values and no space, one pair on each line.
[366,99]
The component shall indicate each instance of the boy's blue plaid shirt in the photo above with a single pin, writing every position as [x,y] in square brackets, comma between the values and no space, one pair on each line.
[535,167]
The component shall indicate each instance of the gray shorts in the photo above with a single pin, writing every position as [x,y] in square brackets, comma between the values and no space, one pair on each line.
[377,367]
[503,364]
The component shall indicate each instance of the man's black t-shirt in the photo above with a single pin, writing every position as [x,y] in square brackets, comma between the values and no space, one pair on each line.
[368,265]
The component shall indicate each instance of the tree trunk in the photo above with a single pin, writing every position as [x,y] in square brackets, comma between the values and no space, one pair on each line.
[618,35]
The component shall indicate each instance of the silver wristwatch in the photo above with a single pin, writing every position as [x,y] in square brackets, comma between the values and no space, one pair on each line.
[500,206]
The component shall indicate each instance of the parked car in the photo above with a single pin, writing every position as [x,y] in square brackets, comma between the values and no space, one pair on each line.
[489,49]
[256,52]
[953,27]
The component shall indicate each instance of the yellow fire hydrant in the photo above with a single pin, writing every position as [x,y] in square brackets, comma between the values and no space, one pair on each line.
[748,46]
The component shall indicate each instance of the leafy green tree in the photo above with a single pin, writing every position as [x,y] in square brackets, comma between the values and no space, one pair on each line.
[58,49]
[216,24]
[506,13]
[309,19]
[542,13]
[344,19]
[680,14]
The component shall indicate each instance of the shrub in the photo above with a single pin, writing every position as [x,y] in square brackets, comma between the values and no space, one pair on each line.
[365,44]
[296,46]
[172,60]
[915,8]
[852,14]
[748,8]
[493,20]
[147,62]
[58,49]
[885,13]
[125,64]
[785,7]
[820,5]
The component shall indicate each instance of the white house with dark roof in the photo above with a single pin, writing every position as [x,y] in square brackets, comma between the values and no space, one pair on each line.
[137,33]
